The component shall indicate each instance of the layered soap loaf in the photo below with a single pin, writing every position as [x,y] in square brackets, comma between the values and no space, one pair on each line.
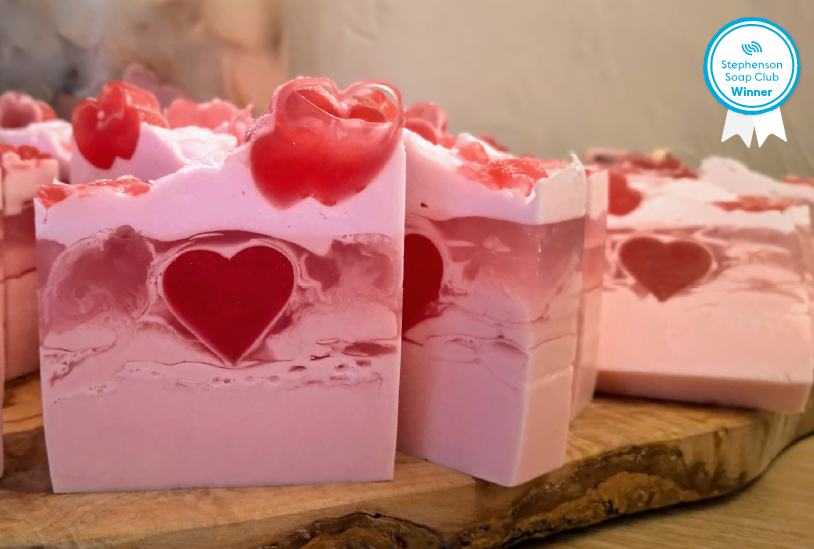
[124,133]
[491,298]
[707,299]
[236,323]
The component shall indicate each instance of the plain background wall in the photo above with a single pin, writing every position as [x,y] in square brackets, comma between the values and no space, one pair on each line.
[549,77]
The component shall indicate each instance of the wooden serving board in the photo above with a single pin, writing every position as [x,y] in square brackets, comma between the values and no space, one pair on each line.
[624,456]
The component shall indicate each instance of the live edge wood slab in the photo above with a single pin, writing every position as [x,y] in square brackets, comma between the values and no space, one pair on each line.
[624,456]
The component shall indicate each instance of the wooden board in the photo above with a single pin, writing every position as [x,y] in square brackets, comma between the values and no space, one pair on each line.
[624,456]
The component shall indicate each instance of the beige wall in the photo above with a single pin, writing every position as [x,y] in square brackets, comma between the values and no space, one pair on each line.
[549,77]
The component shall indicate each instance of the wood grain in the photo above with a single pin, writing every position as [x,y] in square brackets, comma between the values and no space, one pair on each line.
[775,512]
[624,456]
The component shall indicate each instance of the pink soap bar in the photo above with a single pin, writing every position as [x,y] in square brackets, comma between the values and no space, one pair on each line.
[707,299]
[124,133]
[26,121]
[21,170]
[236,323]
[738,179]
[491,298]
[593,266]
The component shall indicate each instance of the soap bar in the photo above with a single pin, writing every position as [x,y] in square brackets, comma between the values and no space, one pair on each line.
[26,121]
[236,323]
[21,170]
[492,290]
[707,300]
[593,267]
[124,133]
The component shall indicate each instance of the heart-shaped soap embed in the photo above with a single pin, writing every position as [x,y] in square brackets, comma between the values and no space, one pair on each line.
[18,110]
[665,268]
[423,272]
[229,303]
[109,127]
[622,198]
[319,142]
[430,122]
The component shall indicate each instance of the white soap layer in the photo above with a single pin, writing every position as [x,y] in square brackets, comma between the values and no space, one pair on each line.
[219,194]
[159,152]
[438,192]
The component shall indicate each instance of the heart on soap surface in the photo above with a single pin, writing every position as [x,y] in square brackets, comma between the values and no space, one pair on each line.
[323,143]
[665,268]
[108,127]
[229,303]
[423,273]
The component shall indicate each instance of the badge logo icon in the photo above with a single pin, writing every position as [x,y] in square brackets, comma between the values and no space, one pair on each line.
[751,67]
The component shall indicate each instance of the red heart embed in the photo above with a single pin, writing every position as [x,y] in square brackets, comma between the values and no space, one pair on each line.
[423,272]
[622,199]
[665,268]
[229,303]
[109,127]
[319,142]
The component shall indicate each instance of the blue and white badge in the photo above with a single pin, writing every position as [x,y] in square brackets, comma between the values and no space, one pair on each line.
[752,67]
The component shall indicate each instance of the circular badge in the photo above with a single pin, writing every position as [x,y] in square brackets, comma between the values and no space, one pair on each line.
[751,66]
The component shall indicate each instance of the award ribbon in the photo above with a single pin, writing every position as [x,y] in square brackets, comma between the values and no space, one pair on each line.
[751,67]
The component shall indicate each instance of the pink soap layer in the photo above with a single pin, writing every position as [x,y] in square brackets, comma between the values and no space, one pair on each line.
[487,365]
[135,400]
[149,430]
[20,180]
[506,422]
[738,335]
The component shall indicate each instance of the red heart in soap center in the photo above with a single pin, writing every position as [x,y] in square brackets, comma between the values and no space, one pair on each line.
[229,303]
[665,269]
[319,142]
[423,272]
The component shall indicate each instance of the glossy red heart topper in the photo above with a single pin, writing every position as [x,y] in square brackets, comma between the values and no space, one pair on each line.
[18,110]
[324,143]
[109,127]
[430,122]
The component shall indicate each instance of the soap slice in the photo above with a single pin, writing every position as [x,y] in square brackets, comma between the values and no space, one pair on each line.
[593,268]
[21,170]
[26,121]
[236,323]
[491,299]
[707,300]
[124,133]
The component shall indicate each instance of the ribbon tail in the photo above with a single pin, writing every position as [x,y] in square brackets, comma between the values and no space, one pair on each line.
[767,124]
[739,124]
